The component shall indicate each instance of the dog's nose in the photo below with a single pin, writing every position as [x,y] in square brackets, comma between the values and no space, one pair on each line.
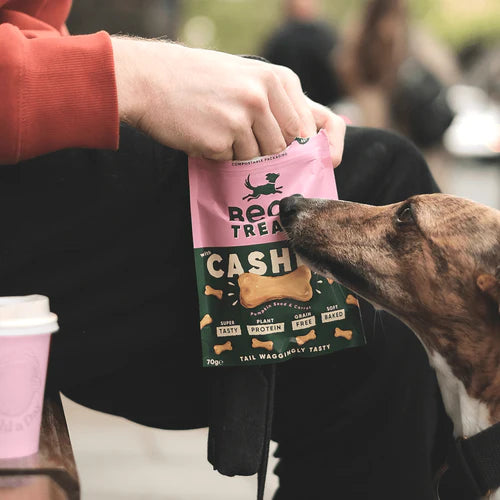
[289,209]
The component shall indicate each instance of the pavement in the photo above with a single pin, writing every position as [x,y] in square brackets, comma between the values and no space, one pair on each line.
[121,460]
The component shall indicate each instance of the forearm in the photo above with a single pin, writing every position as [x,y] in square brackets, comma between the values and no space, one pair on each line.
[130,85]
[142,68]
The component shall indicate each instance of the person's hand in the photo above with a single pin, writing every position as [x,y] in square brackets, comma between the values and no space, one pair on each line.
[216,105]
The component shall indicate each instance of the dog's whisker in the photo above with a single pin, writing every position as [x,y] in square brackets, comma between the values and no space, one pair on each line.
[377,318]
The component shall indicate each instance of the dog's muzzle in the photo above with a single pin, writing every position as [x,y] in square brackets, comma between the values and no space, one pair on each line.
[289,208]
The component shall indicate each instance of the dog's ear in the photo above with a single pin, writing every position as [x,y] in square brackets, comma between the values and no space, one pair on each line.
[490,285]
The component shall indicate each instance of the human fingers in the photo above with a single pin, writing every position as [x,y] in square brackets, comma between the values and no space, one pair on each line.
[334,126]
[214,144]
[245,146]
[293,87]
[282,108]
[268,134]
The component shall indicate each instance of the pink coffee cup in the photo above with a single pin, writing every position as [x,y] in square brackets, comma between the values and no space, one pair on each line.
[26,325]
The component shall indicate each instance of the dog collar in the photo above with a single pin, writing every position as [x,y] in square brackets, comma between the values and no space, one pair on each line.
[476,460]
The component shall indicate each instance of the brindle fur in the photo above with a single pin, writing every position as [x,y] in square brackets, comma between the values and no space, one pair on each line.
[438,272]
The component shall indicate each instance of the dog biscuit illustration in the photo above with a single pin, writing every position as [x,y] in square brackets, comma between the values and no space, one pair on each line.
[347,334]
[268,344]
[206,320]
[255,289]
[352,300]
[302,339]
[213,291]
[219,348]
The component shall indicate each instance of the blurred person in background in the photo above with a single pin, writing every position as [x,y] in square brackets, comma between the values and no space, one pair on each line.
[480,63]
[95,135]
[373,49]
[306,44]
[396,73]
[379,69]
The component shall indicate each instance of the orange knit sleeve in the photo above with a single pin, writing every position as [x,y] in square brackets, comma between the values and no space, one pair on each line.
[57,92]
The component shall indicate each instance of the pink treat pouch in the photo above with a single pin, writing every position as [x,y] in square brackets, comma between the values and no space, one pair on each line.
[258,304]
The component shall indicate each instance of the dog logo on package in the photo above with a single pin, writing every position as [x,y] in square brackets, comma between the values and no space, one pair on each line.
[258,303]
[268,188]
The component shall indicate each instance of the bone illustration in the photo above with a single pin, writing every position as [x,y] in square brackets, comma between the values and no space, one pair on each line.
[268,344]
[302,339]
[206,320]
[227,346]
[256,290]
[352,300]
[347,334]
[213,291]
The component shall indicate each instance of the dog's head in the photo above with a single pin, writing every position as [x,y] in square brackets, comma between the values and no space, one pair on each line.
[272,177]
[420,259]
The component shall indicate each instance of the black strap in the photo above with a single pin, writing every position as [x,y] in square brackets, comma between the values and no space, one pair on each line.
[482,453]
[476,460]
[240,421]
[261,477]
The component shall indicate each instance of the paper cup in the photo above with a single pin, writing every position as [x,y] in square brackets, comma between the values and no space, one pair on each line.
[26,325]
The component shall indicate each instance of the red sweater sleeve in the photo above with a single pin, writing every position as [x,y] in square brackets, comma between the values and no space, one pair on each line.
[57,92]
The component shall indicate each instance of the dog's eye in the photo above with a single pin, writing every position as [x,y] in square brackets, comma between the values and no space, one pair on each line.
[404,215]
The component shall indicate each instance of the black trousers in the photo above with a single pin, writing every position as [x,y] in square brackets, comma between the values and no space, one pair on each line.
[107,236]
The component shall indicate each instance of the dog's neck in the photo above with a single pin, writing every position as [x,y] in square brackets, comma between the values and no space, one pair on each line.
[469,414]
[467,363]
[468,373]
[461,335]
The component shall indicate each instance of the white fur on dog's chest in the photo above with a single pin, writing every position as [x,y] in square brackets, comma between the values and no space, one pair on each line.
[469,416]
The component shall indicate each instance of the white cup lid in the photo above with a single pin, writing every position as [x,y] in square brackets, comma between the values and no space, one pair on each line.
[26,315]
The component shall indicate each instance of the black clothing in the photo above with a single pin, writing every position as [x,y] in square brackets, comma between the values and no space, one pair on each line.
[107,237]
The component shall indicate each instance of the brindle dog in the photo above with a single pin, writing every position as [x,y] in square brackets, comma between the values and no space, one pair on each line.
[433,261]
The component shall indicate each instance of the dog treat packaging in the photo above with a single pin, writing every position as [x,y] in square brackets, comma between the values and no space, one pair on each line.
[258,304]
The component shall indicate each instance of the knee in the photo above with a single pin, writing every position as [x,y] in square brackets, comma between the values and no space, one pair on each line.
[382,167]
[380,147]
